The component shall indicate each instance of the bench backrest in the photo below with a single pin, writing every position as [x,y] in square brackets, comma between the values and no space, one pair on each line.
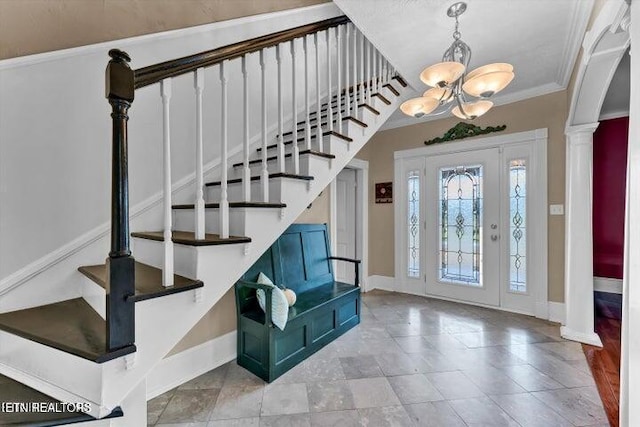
[298,260]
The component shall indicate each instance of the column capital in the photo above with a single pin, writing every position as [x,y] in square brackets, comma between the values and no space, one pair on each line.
[575,130]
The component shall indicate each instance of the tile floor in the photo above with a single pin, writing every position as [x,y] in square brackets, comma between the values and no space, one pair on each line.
[413,361]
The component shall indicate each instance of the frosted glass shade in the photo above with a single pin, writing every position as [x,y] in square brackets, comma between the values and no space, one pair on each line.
[488,84]
[472,109]
[490,68]
[418,107]
[442,74]
[443,94]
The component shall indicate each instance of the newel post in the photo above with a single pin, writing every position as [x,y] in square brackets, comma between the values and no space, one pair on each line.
[120,264]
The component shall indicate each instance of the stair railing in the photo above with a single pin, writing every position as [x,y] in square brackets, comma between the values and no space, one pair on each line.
[354,71]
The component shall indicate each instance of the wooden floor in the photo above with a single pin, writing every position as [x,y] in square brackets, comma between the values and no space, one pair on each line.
[605,361]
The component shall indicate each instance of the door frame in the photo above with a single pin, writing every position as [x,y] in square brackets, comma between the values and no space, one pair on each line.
[537,210]
[362,216]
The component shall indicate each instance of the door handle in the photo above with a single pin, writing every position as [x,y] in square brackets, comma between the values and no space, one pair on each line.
[494,226]
[494,237]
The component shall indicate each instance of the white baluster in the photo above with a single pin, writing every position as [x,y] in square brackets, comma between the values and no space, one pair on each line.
[347,89]
[280,144]
[369,88]
[264,176]
[355,72]
[246,170]
[307,109]
[363,99]
[167,271]
[329,87]
[339,82]
[318,99]
[379,73]
[224,199]
[294,97]
[199,205]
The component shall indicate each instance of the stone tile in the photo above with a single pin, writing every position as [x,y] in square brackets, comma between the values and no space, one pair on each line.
[297,420]
[403,329]
[238,402]
[492,380]
[195,424]
[360,367]
[390,416]
[565,350]
[400,364]
[329,396]
[437,362]
[295,375]
[239,376]
[238,422]
[318,369]
[414,389]
[414,344]
[189,406]
[349,418]
[454,385]
[529,411]
[581,406]
[482,411]
[372,392]
[211,379]
[434,414]
[156,406]
[530,378]
[284,399]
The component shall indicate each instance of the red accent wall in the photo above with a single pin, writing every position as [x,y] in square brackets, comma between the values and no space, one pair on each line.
[609,182]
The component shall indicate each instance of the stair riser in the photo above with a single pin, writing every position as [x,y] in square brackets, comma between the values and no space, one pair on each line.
[95,295]
[307,164]
[234,192]
[151,252]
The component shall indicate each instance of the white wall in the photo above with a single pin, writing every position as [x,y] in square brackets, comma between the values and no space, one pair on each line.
[55,137]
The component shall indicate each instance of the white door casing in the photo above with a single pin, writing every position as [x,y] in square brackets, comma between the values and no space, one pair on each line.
[346,223]
[496,152]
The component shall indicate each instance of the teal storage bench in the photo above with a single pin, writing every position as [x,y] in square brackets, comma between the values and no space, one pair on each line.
[325,309]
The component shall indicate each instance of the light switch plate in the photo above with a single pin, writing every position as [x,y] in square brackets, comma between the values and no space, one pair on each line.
[556,209]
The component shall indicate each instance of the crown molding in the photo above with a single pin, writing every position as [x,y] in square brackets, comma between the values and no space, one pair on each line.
[577,28]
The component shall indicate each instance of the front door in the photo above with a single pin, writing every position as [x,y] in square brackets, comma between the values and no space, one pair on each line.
[462,226]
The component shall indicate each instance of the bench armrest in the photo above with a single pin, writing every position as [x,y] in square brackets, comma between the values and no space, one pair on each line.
[356,264]
[267,293]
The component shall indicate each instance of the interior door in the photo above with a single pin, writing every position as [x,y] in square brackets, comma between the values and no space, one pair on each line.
[462,213]
[346,223]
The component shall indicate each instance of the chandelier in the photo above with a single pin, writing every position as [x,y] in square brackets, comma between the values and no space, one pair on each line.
[452,88]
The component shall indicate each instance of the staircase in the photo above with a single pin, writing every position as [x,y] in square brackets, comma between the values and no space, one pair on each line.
[98,348]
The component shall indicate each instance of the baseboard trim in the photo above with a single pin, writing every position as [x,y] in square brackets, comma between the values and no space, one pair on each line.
[606,284]
[586,338]
[179,368]
[384,283]
[557,312]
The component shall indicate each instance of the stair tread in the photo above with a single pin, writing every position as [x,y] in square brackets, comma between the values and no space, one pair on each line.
[256,178]
[271,158]
[188,238]
[16,392]
[391,88]
[265,205]
[72,326]
[301,127]
[314,135]
[148,282]
[400,80]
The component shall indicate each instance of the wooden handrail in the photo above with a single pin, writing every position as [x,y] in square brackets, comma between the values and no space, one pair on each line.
[155,73]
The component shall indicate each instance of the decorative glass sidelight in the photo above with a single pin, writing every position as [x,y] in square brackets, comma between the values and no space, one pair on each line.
[517,224]
[413,196]
[460,225]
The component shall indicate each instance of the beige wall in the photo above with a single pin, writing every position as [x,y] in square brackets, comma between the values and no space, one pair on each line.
[35,26]
[549,111]
[319,212]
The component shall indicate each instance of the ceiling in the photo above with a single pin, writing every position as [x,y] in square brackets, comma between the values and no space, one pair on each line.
[540,38]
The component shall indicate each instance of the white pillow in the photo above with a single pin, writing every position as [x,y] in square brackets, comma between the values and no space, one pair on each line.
[279,303]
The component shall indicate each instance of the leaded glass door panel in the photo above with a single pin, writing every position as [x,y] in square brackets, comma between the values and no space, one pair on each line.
[462,197]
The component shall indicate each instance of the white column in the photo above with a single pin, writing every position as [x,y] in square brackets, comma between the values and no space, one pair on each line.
[224,166]
[264,175]
[246,169]
[578,280]
[199,204]
[295,153]
[630,351]
[167,271]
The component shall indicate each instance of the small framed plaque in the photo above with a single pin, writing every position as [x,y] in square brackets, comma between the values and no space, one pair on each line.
[384,192]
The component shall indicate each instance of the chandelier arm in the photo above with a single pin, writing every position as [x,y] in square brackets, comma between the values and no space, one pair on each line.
[464,113]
